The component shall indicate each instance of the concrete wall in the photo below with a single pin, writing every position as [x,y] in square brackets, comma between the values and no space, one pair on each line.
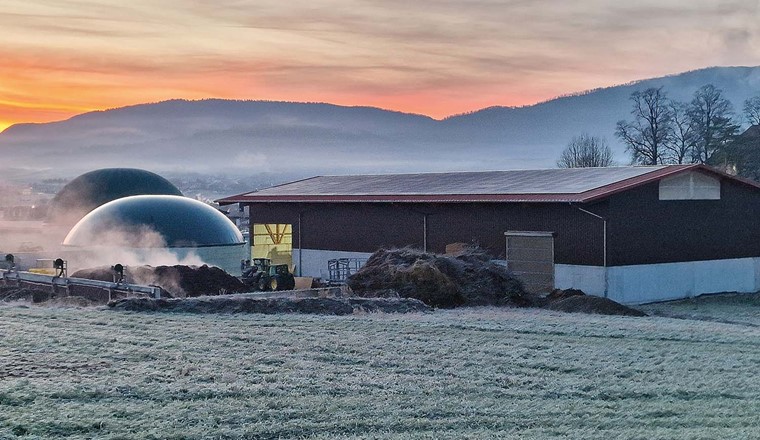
[667,281]
[662,282]
[224,257]
[589,279]
[314,261]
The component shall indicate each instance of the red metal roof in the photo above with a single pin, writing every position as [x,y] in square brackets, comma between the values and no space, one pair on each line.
[579,185]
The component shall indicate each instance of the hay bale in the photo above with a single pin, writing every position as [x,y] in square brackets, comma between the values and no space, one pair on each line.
[469,278]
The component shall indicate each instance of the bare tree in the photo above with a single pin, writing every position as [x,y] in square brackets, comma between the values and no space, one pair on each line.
[711,115]
[645,137]
[680,144]
[586,151]
[752,110]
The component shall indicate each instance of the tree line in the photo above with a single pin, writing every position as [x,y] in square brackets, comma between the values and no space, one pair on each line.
[666,131]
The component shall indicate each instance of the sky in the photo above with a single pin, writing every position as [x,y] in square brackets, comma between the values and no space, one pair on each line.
[433,57]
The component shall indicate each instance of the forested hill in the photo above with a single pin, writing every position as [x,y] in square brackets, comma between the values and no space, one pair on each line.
[224,136]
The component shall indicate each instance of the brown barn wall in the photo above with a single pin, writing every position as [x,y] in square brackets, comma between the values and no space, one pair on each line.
[646,230]
[367,227]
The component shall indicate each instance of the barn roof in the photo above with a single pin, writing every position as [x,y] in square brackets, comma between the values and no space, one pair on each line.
[549,185]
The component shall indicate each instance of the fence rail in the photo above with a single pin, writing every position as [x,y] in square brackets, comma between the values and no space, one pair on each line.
[64,282]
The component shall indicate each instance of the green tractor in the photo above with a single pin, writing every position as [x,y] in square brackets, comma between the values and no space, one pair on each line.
[264,276]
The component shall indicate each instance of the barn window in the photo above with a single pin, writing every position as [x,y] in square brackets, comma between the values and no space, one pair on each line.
[690,186]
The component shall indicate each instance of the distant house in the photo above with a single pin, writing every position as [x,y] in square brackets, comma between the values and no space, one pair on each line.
[634,234]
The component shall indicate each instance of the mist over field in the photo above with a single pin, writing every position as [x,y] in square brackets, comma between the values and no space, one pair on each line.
[281,141]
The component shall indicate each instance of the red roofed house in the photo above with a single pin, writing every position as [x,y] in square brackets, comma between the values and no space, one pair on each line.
[634,234]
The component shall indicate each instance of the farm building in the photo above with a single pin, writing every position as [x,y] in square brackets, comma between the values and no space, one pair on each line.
[634,234]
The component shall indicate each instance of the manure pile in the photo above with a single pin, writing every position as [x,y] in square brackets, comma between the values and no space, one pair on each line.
[470,278]
[179,281]
[581,303]
[467,279]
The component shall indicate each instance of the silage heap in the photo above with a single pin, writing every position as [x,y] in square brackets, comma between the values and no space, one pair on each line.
[470,278]
[179,281]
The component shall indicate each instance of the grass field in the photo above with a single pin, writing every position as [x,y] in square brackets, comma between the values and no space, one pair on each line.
[465,374]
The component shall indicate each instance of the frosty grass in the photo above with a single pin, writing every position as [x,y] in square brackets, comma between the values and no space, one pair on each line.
[466,374]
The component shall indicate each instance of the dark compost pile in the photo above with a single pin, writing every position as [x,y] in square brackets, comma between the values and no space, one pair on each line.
[251,304]
[580,303]
[179,281]
[467,279]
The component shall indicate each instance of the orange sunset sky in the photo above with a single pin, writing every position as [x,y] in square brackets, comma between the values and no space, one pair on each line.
[61,58]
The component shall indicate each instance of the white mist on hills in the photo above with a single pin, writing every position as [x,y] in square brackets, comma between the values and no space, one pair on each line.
[297,139]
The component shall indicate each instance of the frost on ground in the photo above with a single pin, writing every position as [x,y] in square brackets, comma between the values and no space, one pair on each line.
[468,373]
[732,308]
[252,304]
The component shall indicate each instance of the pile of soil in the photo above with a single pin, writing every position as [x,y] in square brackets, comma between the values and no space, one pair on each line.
[178,281]
[558,294]
[578,302]
[251,304]
[470,278]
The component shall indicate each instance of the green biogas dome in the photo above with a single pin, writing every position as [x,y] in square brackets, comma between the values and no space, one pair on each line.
[98,187]
[141,224]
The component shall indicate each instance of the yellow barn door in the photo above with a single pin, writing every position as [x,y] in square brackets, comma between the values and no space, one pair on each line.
[273,241]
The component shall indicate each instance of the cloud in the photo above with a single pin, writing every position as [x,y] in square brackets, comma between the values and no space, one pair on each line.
[434,57]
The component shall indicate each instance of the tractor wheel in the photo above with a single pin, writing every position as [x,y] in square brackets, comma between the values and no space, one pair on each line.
[288,283]
[263,284]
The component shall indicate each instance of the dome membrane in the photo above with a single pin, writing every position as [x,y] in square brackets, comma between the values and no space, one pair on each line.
[98,187]
[150,221]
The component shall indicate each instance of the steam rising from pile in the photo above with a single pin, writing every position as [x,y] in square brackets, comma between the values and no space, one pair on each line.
[128,245]
[177,280]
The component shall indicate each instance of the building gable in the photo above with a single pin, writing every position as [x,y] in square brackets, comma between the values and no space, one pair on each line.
[691,185]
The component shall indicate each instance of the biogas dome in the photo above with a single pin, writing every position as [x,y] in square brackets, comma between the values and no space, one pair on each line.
[149,228]
[95,188]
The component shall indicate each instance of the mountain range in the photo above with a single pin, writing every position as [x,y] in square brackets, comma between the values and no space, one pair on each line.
[288,139]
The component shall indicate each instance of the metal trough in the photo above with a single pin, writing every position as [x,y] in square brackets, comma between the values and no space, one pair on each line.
[64,282]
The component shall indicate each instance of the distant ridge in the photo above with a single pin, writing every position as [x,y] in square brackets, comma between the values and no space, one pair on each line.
[250,137]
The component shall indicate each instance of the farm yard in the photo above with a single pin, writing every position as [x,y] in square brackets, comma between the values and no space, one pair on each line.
[690,372]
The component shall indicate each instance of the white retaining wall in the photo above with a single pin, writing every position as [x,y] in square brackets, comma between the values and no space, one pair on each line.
[314,261]
[625,284]
[661,282]
[589,279]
